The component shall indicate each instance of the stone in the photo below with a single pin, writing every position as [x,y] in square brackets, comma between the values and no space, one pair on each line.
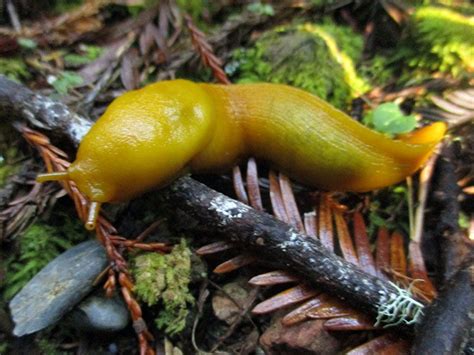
[98,313]
[225,308]
[57,288]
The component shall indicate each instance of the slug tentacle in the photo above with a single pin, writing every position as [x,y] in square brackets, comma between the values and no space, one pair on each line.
[94,210]
[54,176]
[149,137]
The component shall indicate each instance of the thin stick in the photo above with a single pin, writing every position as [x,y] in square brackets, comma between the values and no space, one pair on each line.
[425,178]
[411,206]
[15,20]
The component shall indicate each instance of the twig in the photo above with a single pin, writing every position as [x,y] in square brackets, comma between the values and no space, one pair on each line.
[423,189]
[203,295]
[15,20]
[244,312]
[411,207]
[205,51]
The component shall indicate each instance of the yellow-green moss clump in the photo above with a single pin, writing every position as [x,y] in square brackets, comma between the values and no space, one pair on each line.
[318,58]
[166,278]
[440,40]
[14,69]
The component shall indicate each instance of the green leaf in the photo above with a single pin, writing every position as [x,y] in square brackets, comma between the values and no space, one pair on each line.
[87,54]
[388,118]
[27,43]
[76,59]
[66,81]
[463,221]
[261,9]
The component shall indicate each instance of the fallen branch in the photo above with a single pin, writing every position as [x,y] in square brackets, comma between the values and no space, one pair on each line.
[446,327]
[17,102]
[453,245]
[282,246]
[273,241]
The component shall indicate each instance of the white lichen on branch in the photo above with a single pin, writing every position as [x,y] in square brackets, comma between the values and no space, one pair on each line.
[398,309]
[227,209]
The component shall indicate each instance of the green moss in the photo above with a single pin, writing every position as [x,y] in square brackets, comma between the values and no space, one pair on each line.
[48,347]
[316,58]
[389,209]
[194,8]
[440,40]
[38,245]
[165,279]
[14,69]
[7,165]
[62,6]
[86,55]
[323,3]
[10,156]
[261,9]
[377,70]
[65,81]
[349,43]
[463,6]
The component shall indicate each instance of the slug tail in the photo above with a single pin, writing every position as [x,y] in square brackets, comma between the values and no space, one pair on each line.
[430,134]
[426,137]
[398,158]
[94,210]
[55,176]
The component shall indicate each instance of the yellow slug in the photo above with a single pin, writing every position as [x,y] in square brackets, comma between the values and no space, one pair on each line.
[149,137]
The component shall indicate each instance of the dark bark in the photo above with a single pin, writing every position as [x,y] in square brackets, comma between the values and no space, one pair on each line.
[17,102]
[449,321]
[278,244]
[274,241]
[453,247]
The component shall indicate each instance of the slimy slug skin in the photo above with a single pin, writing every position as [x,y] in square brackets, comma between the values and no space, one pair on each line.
[148,137]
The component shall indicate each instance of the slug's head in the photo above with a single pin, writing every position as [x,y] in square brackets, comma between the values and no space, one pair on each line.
[145,139]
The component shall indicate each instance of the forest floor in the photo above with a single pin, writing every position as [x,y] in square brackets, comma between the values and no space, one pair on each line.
[191,281]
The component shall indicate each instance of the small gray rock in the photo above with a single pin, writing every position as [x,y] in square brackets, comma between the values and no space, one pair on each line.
[57,288]
[98,313]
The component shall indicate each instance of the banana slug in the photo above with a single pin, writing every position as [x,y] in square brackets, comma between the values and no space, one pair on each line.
[148,137]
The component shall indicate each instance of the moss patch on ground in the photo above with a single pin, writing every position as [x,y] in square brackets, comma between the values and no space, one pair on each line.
[14,69]
[318,58]
[164,279]
[439,40]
